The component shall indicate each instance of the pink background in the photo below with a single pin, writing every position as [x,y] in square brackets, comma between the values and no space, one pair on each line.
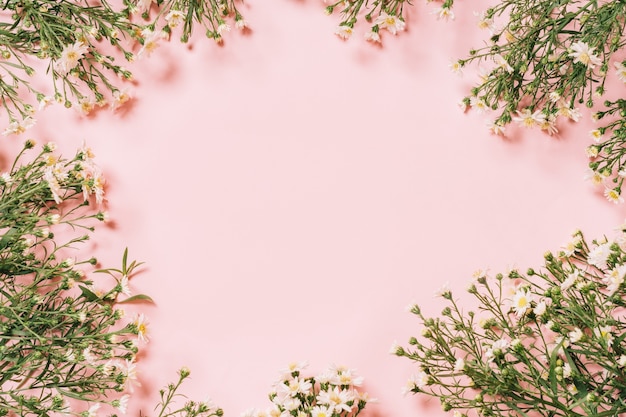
[291,193]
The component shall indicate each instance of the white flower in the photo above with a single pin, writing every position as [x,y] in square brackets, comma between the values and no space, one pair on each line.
[416,381]
[443,13]
[521,302]
[496,128]
[241,24]
[6,178]
[120,97]
[567,370]
[174,18]
[571,247]
[620,68]
[528,119]
[129,373]
[571,113]
[502,63]
[45,101]
[144,5]
[86,105]
[319,411]
[598,255]
[459,365]
[596,178]
[581,52]
[478,104]
[18,127]
[336,399]
[575,335]
[124,286]
[443,291]
[344,31]
[89,357]
[291,403]
[604,333]
[596,134]
[540,308]
[122,403]
[223,27]
[592,151]
[554,96]
[484,22]
[372,36]
[613,195]
[150,42]
[344,376]
[549,125]
[141,326]
[570,280]
[292,368]
[614,279]
[295,386]
[70,56]
[456,67]
[498,346]
[622,361]
[392,23]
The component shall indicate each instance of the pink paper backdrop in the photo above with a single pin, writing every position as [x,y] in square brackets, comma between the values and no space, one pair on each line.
[291,193]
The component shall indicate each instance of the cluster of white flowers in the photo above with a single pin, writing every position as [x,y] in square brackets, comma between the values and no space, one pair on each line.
[333,393]
[384,21]
[58,173]
[557,330]
[602,177]
[545,119]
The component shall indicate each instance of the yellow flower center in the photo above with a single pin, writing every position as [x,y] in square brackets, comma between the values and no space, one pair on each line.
[584,58]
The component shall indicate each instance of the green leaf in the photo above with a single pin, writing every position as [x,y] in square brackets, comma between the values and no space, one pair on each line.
[7,237]
[88,294]
[138,297]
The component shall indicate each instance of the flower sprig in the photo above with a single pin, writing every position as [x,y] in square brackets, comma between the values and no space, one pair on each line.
[548,342]
[544,58]
[333,393]
[168,406]
[63,333]
[80,44]
[380,14]
[213,16]
[544,61]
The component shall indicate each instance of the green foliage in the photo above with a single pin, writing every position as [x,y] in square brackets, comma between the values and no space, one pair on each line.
[549,342]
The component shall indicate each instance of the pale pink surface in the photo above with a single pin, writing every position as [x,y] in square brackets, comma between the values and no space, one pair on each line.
[290,194]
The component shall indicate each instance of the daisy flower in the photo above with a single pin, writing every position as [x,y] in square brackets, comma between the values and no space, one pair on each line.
[392,23]
[174,18]
[581,52]
[372,36]
[344,31]
[521,302]
[70,56]
[527,118]
[613,195]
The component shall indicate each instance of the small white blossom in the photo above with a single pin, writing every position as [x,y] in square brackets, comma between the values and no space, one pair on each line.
[529,119]
[540,308]
[581,52]
[392,23]
[575,335]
